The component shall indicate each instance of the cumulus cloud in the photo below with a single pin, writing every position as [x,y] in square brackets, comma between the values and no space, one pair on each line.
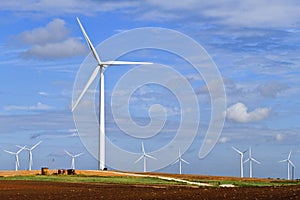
[51,41]
[54,31]
[239,113]
[68,48]
[38,107]
[272,89]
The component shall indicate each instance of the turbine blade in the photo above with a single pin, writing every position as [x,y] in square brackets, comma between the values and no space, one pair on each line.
[9,152]
[253,159]
[90,81]
[150,157]
[78,155]
[292,163]
[116,62]
[290,154]
[185,161]
[237,150]
[93,50]
[36,145]
[246,160]
[283,161]
[22,148]
[68,153]
[140,158]
[143,148]
[176,161]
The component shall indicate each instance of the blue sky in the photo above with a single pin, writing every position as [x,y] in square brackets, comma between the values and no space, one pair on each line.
[255,45]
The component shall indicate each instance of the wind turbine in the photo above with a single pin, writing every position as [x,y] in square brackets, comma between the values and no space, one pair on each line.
[241,160]
[289,162]
[180,160]
[100,67]
[144,156]
[30,153]
[73,158]
[16,156]
[250,159]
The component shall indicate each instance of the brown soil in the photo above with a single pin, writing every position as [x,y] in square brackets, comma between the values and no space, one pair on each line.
[56,190]
[10,189]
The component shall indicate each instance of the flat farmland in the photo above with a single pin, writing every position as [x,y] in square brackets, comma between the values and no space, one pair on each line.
[37,189]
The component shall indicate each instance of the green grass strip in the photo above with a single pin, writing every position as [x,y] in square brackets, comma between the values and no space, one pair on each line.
[92,179]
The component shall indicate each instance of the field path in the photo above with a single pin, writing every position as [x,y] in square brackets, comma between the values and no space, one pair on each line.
[163,178]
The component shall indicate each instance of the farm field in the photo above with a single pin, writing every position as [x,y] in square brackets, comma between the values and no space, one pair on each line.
[27,185]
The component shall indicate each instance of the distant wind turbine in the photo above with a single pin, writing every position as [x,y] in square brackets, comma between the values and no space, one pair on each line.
[180,160]
[30,153]
[16,156]
[241,160]
[250,159]
[144,156]
[100,67]
[73,158]
[289,162]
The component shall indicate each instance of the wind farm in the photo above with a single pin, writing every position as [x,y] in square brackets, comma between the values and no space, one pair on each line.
[149,100]
[99,70]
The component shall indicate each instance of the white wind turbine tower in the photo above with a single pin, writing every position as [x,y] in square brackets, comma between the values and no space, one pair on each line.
[289,162]
[30,153]
[100,67]
[241,160]
[73,158]
[16,156]
[180,160]
[250,159]
[144,156]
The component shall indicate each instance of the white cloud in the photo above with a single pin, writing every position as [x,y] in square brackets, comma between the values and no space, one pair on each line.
[38,107]
[53,8]
[224,140]
[43,93]
[247,13]
[239,113]
[51,41]
[54,31]
[67,48]
[272,89]
[279,137]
